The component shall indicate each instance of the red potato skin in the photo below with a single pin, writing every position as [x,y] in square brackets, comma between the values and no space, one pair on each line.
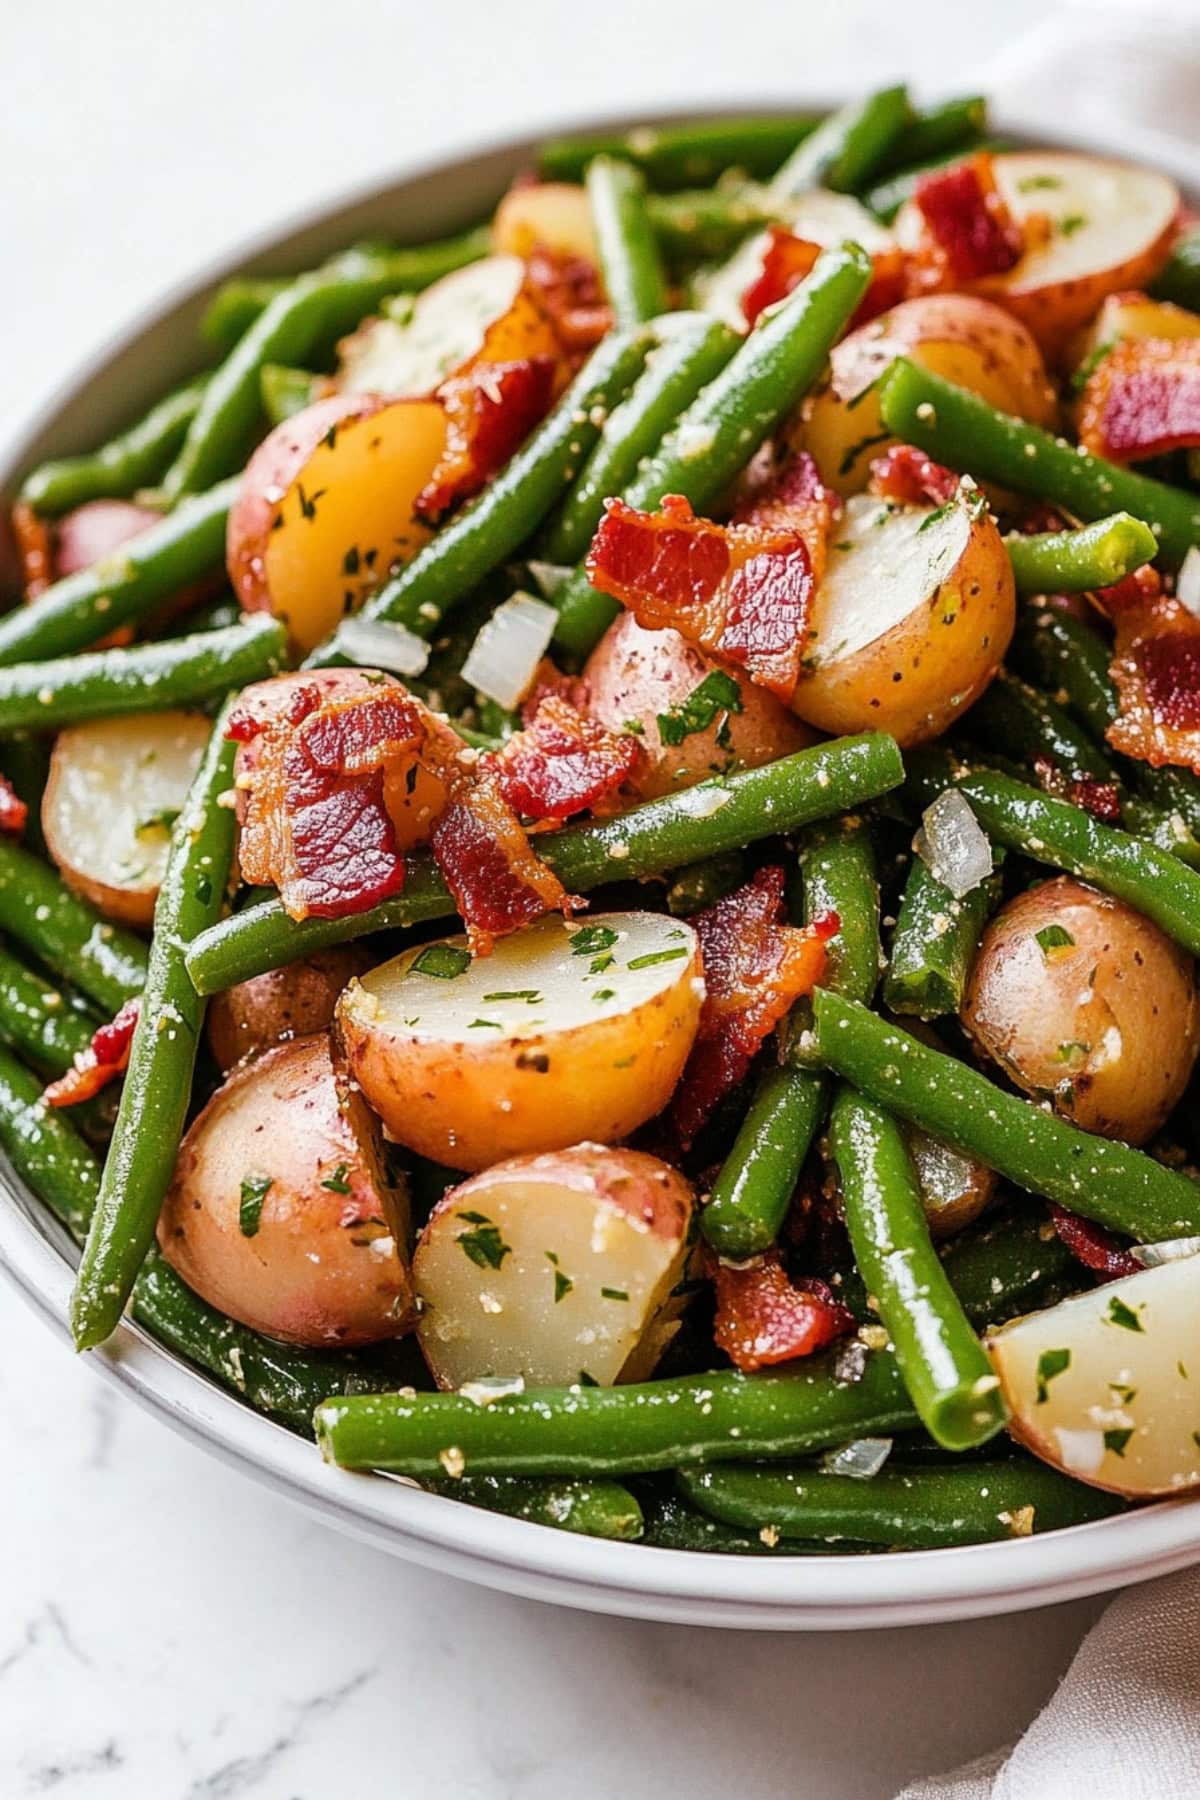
[97,530]
[283,1004]
[634,674]
[268,476]
[641,1186]
[308,1274]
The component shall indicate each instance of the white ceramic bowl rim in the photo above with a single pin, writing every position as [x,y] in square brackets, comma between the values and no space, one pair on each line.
[835,1592]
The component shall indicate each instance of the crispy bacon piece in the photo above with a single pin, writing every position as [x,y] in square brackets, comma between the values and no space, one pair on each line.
[481,848]
[969,231]
[787,259]
[741,592]
[14,813]
[1092,1245]
[754,968]
[763,1318]
[1143,399]
[1156,668]
[490,410]
[570,292]
[35,549]
[106,1057]
[547,680]
[317,826]
[1101,798]
[906,474]
[563,762]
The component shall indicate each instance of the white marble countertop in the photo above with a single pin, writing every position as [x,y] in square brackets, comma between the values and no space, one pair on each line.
[168,1629]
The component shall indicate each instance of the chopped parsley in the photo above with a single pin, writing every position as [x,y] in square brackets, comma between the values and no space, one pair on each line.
[936,517]
[1054,937]
[1070,223]
[656,956]
[485,1025]
[603,994]
[562,1283]
[591,938]
[445,961]
[159,821]
[1050,1363]
[337,1183]
[483,1243]
[1090,364]
[717,693]
[1031,184]
[613,1294]
[1072,1050]
[1122,1315]
[529,994]
[1117,1440]
[604,961]
[255,1189]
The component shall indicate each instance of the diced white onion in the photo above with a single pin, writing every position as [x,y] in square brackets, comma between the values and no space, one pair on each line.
[952,845]
[504,657]
[1151,1256]
[374,644]
[1187,586]
[860,1459]
[549,577]
[490,1388]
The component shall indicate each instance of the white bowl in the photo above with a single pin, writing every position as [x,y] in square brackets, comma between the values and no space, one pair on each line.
[782,1594]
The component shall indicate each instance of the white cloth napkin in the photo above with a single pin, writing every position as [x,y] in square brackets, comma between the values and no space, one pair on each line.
[1125,1722]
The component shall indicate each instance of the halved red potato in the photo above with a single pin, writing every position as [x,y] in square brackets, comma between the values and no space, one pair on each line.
[955,1189]
[819,217]
[283,1004]
[326,508]
[554,214]
[97,531]
[1110,228]
[911,619]
[280,1212]
[483,313]
[969,341]
[637,677]
[556,1268]
[1133,315]
[1103,1386]
[565,1031]
[114,790]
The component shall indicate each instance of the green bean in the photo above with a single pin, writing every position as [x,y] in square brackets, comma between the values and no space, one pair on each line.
[945,1368]
[235,306]
[285,391]
[951,127]
[632,1429]
[154,1099]
[309,311]
[912,1508]
[512,506]
[691,351]
[847,148]
[603,1509]
[720,431]
[964,432]
[707,223]
[1065,655]
[26,763]
[751,1194]
[934,944]
[123,589]
[133,459]
[1179,281]
[1073,562]
[36,1021]
[1103,1179]
[671,1524]
[660,834]
[1009,1262]
[107,683]
[105,962]
[1014,718]
[703,883]
[690,155]
[1066,837]
[628,251]
[63,1172]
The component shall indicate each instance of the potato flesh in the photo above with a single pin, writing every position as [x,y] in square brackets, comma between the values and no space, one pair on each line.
[1120,1411]
[114,789]
[911,620]
[1102,213]
[348,517]
[530,1271]
[586,1047]
[819,217]
[479,310]
[554,215]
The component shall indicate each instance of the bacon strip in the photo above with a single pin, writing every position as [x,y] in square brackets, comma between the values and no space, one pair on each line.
[570,292]
[35,550]
[14,814]
[490,410]
[742,592]
[106,1057]
[1156,668]
[754,968]
[563,762]
[906,474]
[970,232]
[1143,399]
[763,1318]
[788,259]
[1094,1247]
